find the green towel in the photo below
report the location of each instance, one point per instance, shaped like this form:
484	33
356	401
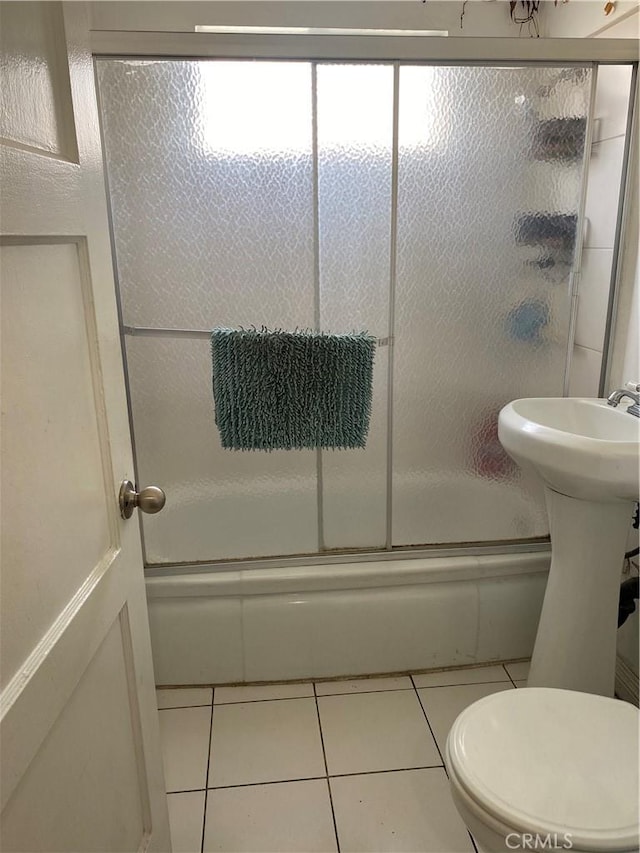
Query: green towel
291	390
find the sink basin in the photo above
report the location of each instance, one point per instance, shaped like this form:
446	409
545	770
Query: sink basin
586	453
582	448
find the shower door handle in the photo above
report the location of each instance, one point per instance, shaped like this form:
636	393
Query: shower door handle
150	500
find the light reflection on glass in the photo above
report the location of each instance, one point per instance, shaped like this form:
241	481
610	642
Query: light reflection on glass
250	107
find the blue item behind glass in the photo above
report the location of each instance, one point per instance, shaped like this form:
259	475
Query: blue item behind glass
527	320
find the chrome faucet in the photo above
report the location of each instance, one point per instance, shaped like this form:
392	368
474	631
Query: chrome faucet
614	400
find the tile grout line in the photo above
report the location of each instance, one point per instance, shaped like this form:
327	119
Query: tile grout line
310	696
444	767
344	693
267	782
457	684
206	778
509	677
364	692
347	693
326	770
591	349
608	138
319	778
186	791
424	714
258	701
390	770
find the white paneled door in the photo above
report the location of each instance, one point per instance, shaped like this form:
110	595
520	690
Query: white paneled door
81	764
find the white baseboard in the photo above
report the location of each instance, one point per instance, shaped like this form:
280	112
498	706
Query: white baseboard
341	620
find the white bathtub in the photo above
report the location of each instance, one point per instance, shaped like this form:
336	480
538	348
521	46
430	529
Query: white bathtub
272	624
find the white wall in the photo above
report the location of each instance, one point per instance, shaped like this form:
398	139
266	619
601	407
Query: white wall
631	316
575	19
586	18
481	18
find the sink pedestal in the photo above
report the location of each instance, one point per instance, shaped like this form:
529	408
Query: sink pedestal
576	642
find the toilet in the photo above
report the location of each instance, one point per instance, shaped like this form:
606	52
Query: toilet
547	769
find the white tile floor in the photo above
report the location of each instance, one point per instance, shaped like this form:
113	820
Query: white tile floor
334	766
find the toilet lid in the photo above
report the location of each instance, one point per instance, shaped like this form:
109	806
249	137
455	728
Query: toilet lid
546	760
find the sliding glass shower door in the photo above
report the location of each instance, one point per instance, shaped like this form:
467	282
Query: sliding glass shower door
487	225
436	207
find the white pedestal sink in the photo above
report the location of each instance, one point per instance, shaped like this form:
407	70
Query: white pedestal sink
586	452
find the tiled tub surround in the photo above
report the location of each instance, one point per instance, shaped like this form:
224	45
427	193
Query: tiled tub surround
349	619
352	765
601	210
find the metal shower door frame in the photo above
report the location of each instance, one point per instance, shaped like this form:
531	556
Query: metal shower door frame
395	50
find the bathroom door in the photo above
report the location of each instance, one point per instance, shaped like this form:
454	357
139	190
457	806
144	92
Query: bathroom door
81	763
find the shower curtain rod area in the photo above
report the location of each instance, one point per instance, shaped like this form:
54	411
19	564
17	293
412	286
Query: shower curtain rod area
148	331
450	50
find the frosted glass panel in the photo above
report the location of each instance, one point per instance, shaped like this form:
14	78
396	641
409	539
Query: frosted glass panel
227	211
220	504
490	164
355	134
211	182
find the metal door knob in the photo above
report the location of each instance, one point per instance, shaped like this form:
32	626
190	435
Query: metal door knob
150	500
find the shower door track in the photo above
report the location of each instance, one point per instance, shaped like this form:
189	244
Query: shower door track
333	557
361	48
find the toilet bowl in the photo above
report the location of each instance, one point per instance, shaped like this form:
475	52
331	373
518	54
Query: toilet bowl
546	769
